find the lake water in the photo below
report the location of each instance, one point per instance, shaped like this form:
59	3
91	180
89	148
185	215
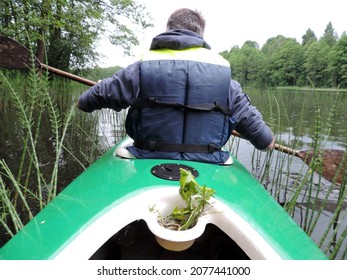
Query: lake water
291	114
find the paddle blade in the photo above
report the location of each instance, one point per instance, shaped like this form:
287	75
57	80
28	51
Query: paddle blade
333	162
14	55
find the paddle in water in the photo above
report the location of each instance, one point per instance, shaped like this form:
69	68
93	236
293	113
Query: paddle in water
333	161
14	55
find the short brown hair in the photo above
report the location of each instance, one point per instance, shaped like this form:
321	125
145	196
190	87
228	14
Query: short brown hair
187	19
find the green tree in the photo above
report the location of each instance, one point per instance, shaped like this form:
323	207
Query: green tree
245	63
286	64
316	62
248	63
66	31
273	44
329	37
338	63
308	37
232	57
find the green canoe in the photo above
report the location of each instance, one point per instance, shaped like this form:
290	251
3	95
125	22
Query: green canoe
104	214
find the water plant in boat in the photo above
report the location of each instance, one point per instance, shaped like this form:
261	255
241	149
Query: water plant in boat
196	202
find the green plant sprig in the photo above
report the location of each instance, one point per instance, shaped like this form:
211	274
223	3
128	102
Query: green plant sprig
196	198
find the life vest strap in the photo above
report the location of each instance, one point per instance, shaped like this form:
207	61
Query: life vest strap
153	102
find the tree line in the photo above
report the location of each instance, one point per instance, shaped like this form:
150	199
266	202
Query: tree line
285	62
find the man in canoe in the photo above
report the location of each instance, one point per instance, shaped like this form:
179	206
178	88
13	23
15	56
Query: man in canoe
183	102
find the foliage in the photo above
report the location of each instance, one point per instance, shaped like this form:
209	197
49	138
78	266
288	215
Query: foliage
65	31
339	61
316	63
246	63
308	37
30	111
329	36
285	62
30	183
196	199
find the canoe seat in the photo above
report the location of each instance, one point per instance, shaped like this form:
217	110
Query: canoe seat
229	161
123	152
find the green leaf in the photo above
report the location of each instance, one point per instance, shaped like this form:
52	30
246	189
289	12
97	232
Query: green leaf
196	198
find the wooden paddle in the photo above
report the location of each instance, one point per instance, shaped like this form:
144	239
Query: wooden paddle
331	159
14	55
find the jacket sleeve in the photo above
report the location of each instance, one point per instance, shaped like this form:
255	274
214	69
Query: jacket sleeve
248	120
117	92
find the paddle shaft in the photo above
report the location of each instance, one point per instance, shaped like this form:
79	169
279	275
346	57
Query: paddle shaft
332	160
67	75
277	147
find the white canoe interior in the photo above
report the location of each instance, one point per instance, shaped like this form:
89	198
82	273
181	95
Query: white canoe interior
137	206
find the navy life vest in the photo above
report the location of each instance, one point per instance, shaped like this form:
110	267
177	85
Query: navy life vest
182	111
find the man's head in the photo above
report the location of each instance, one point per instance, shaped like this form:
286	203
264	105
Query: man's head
186	19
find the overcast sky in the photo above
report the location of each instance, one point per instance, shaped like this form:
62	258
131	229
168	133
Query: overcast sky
231	22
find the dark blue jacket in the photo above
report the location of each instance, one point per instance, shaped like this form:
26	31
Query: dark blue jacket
183	102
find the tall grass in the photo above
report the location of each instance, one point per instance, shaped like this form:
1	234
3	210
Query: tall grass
30	108
308	189
27	188
30	183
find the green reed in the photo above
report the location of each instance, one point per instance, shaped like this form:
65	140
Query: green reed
307	188
322	132
31	188
46	108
